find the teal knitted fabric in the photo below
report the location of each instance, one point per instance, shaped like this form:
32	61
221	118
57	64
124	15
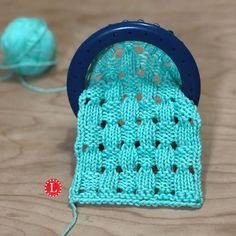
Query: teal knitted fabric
138	139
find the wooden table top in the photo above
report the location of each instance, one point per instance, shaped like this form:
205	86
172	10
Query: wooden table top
37	131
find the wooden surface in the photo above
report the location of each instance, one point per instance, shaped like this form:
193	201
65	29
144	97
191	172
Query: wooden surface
37	131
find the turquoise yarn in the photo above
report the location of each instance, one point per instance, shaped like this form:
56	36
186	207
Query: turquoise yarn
28	46
138	140
29	49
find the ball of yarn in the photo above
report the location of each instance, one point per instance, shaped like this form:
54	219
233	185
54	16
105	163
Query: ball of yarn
28	46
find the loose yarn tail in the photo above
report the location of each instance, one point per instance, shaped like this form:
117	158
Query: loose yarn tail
3	66
29	86
6	77
73	222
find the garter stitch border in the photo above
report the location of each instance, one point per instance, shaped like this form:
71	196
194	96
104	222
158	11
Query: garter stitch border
138	140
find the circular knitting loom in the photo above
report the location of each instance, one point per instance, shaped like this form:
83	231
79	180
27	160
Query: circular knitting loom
134	88
130	31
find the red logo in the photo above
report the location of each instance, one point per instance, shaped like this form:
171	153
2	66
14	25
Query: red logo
53	187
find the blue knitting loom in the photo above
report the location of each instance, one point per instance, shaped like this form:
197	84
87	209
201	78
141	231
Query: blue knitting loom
138	31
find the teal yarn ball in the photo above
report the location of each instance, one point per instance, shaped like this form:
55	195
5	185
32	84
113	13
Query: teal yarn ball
28	46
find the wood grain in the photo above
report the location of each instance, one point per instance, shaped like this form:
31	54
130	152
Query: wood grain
37	131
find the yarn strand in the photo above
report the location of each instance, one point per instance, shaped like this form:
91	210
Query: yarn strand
29	86
6	77
73	222
14	66
24	82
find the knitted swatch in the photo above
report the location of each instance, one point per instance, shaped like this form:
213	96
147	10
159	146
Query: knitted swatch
138	139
